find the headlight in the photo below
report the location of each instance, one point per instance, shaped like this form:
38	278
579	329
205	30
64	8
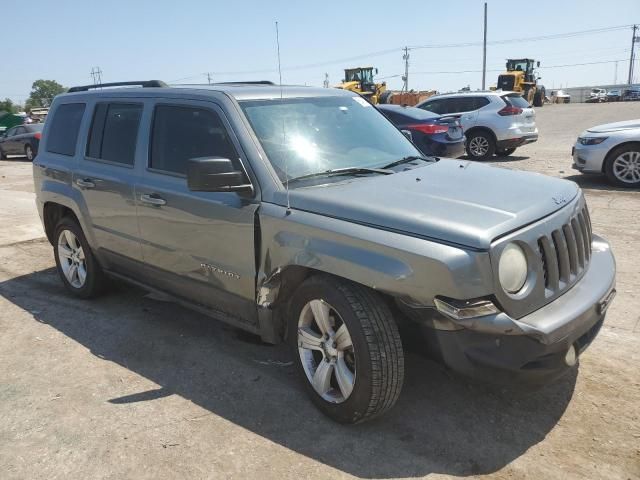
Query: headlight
591	140
512	268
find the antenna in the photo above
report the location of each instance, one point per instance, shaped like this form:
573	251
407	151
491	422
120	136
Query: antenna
286	158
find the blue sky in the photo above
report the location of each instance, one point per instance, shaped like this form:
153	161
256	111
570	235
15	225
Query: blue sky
175	40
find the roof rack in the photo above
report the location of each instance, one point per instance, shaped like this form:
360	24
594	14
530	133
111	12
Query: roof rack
144	84
248	82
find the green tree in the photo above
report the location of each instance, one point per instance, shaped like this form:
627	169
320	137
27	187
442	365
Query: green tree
42	93
8	106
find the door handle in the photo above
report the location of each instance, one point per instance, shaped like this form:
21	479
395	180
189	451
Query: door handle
85	183
153	199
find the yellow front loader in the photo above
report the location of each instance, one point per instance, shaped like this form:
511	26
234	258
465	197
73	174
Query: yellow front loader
360	80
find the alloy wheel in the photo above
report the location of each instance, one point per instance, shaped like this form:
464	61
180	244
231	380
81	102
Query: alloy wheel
326	351
626	167
29	153
479	146
72	259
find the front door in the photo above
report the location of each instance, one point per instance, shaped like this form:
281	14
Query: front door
197	245
105	176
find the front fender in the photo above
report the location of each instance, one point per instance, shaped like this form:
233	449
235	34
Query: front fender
413	269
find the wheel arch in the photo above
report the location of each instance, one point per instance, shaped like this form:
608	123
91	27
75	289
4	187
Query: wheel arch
52	213
481	129
609	154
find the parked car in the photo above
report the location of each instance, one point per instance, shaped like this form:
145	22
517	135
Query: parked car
614	95
560	96
612	149
493	122
431	133
303	215
597	95
21	140
631	94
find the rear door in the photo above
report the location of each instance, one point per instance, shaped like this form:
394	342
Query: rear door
196	245
8	142
105	176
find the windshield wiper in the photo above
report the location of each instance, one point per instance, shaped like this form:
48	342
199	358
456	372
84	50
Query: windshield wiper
342	171
408	159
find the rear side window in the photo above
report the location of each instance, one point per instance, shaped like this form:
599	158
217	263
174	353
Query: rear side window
114	132
516	101
436	106
182	133
63	132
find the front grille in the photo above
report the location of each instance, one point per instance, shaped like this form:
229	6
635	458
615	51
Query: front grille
565	253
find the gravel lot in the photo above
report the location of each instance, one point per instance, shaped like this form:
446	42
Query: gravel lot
130	387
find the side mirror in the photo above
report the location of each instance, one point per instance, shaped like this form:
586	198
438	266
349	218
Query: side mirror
376	71
215	174
538	63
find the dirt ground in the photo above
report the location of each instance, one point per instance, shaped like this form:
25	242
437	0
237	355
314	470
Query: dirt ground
130	387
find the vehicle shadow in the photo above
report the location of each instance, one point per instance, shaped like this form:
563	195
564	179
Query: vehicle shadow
596	182
441	423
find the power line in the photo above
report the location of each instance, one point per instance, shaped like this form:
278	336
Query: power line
500	69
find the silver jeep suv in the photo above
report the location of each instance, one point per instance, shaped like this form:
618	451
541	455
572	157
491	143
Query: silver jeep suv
494	122
303	215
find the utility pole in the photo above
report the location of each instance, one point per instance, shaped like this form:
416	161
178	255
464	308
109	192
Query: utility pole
325	84
405	78
96	74
615	74
484	49
634	39
209	78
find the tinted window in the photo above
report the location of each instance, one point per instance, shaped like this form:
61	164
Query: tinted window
407	114
436	106
63	132
11	132
114	131
181	133
20	131
468	104
34	127
516	101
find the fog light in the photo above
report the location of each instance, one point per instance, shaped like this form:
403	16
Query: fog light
571	357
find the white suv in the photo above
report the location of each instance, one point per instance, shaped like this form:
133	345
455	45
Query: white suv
493	122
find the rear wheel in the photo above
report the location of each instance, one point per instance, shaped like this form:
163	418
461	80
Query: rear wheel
347	348
77	267
385	97
622	166
505	152
480	145
3	156
538	98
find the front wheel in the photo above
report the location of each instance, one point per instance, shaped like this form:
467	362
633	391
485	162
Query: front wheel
347	348
3	156
480	146
622	166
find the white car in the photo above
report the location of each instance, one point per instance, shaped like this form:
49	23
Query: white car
597	95
493	121
612	149
560	96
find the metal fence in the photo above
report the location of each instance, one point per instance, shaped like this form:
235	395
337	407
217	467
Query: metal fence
581	94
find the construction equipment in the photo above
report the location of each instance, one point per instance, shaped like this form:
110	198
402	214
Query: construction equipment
522	77
360	80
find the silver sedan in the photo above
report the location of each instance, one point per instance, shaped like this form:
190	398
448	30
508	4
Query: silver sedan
612	149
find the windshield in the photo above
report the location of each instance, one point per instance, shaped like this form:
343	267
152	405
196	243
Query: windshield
302	136
521	65
360	75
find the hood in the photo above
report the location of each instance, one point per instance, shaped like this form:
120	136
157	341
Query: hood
454	201
615	127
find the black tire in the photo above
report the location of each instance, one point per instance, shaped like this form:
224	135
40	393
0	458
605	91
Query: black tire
538	98
377	348
483	138
505	153
609	165
29	152
3	156
96	280
385	97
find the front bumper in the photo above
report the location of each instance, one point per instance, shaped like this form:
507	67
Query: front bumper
590	158
531	349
